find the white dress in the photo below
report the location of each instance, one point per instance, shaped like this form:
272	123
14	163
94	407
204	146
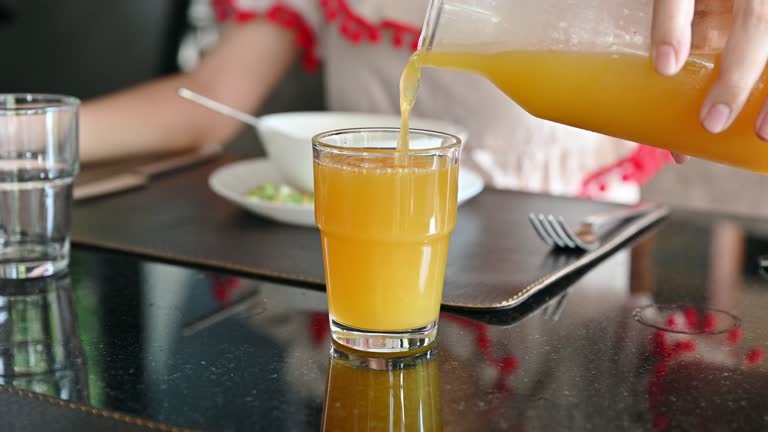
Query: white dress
363	46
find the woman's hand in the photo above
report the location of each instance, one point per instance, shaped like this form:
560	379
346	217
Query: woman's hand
743	58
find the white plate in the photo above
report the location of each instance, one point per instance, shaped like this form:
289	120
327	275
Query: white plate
232	181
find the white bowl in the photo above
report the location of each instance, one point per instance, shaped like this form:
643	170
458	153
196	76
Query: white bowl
287	137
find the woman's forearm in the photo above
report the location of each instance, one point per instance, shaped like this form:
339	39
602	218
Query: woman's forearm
150	118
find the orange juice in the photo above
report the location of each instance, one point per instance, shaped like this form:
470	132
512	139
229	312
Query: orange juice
398	399
409	87
620	95
385	231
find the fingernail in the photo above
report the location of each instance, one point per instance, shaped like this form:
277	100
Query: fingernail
716	119
665	60
762	126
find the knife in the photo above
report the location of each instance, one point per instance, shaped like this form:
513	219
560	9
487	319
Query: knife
141	175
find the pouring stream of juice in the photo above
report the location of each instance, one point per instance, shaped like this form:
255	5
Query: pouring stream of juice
616	94
409	87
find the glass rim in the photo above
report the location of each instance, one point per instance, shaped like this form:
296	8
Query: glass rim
317	141
49	102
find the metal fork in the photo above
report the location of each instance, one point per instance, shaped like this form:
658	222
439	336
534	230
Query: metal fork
586	236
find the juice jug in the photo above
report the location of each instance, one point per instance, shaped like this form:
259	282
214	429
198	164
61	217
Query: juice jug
588	64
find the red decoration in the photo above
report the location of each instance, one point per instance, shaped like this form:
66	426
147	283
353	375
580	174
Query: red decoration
735	336
755	356
506	365
222	288
638	168
691	317
672	322
281	14
709	324
319	327
684	346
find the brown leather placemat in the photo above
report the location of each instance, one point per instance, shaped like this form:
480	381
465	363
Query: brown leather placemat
500	262
496	260
22	410
178	218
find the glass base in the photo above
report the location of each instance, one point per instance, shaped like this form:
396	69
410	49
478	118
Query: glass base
33	260
384	342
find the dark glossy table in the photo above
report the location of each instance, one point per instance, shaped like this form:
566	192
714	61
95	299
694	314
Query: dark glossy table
198	349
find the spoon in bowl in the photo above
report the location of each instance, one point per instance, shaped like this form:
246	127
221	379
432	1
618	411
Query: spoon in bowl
219	107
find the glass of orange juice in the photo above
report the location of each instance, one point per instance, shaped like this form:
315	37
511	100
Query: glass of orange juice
382	394
385	217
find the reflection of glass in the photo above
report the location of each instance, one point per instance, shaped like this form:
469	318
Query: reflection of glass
382	394
39	346
385	217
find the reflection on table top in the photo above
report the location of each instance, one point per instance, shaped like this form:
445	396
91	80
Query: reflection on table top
216	352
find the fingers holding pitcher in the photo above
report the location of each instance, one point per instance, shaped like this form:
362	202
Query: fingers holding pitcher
741	65
671	34
738	30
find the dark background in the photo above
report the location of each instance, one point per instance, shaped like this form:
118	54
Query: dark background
87	47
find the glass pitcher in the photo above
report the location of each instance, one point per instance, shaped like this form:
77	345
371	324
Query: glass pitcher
587	63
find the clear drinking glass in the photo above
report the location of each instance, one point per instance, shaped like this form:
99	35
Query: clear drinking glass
38	162
385	219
